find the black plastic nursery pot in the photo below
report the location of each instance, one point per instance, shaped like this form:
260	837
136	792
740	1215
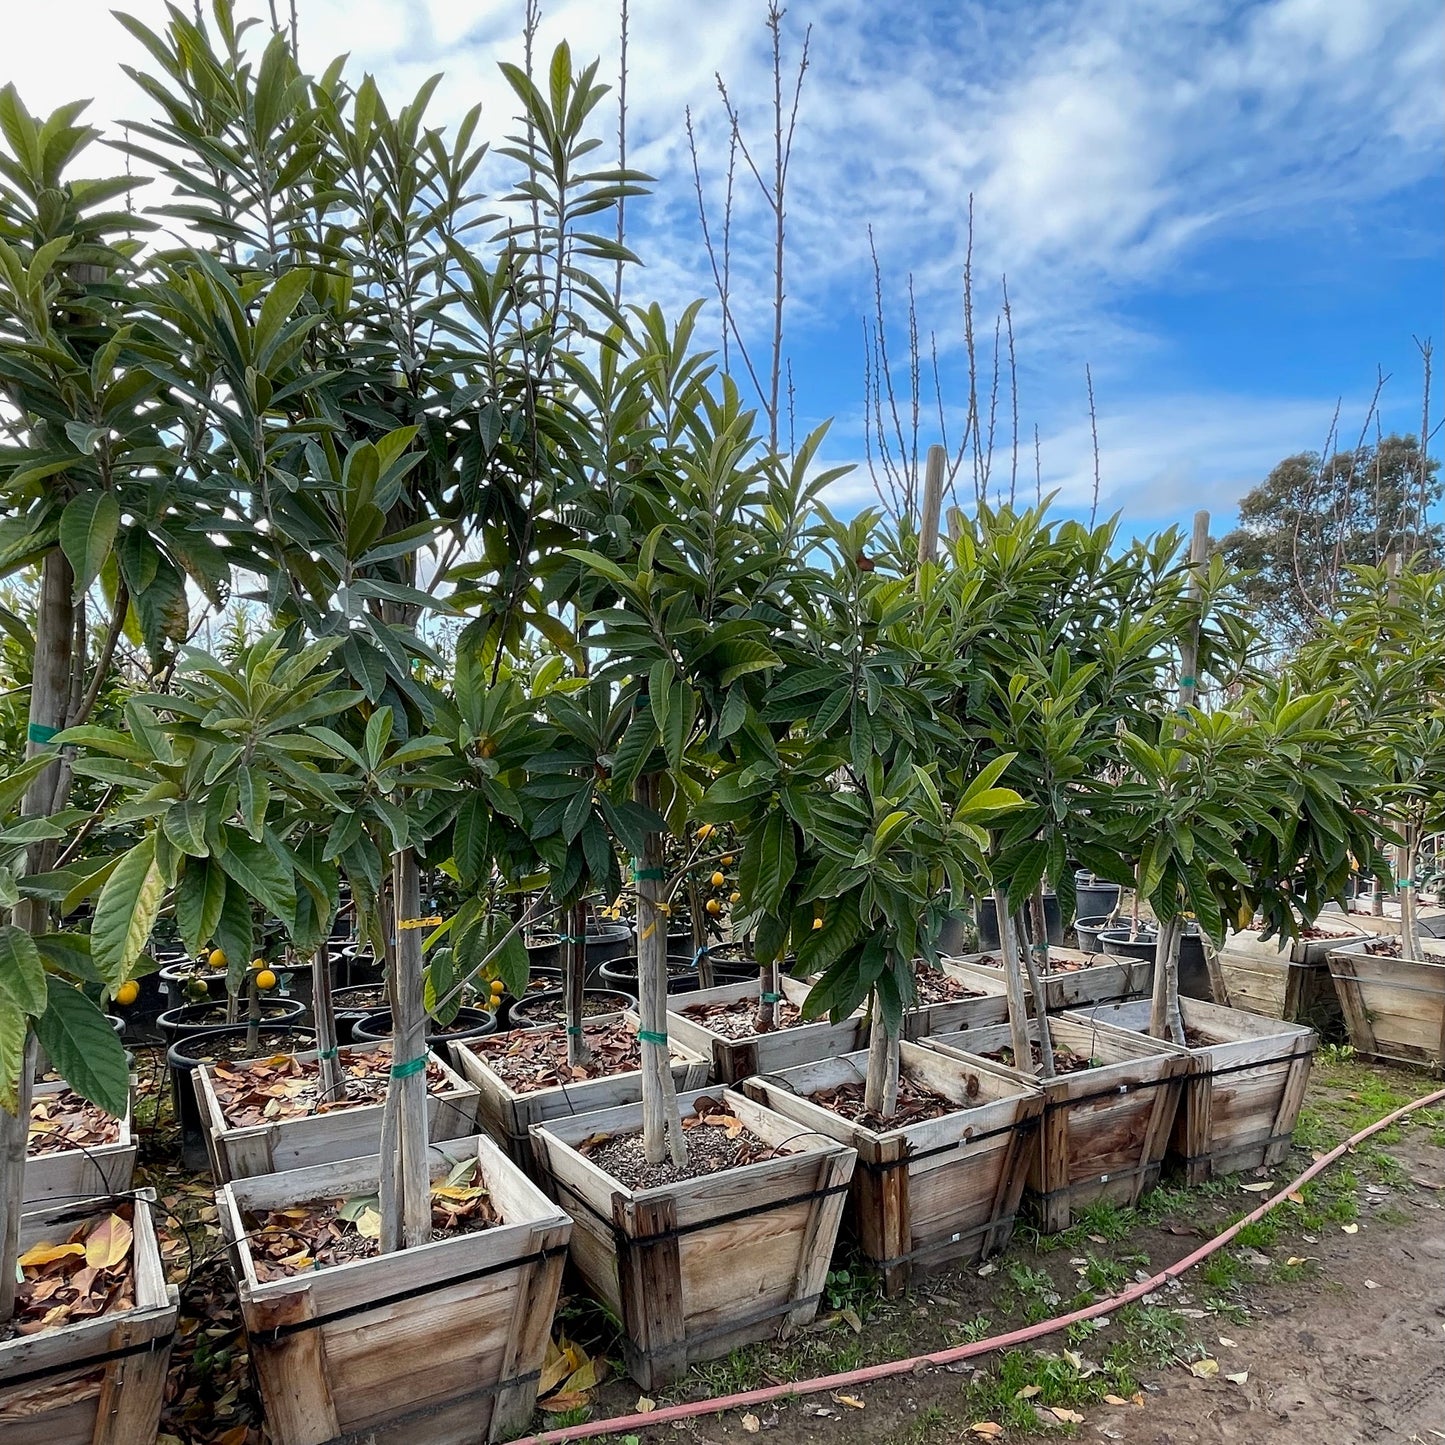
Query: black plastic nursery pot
469	1023
175	976
355	1002
621	973
988	923
1095	897
186	1055
1087	931
206	1017
359	965
544	950
606	941
1193	969
539	1010
543	978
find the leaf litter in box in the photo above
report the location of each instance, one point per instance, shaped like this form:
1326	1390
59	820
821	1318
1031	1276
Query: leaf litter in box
87	1275
287	1087
63	1120
715	1140
530	1059
288	1242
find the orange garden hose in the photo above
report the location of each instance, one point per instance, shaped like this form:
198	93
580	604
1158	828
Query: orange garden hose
716	1404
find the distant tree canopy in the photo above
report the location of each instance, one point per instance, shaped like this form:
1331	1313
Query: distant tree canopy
1312	518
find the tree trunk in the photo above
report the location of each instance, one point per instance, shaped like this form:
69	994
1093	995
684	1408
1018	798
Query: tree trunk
880	1093
701	955
1018	1018
325	1017
574	980
50	691
405	1180
660	1121
768	996
1409	887
1036	960
253	1016
1164	1019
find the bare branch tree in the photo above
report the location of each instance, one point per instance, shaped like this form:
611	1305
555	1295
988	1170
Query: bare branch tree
1422	519
1038	469
1013	386
621	149
1094	430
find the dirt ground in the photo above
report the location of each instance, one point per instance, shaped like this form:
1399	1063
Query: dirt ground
1323	1323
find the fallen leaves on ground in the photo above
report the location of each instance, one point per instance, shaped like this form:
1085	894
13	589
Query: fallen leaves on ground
63	1120
530	1059
1205	1369
568	1375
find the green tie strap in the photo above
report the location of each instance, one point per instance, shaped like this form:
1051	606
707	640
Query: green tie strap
649	1037
406	1070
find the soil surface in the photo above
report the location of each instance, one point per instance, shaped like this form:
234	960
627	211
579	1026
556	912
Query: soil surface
715	1140
1066	1061
915	1104
550	1006
936	987
233	1048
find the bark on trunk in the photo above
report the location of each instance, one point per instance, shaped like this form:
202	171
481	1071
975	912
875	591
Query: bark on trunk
880	1093
1164	1018
574	978
325	1017
1009	946
1036	959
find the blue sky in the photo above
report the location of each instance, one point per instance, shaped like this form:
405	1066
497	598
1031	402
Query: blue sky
1231	212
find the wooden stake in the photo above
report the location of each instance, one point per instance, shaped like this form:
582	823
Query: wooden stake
574	963
932	503
767	992
660	1121
14	1140
325	1018
1189	644
406	1181
1018	1019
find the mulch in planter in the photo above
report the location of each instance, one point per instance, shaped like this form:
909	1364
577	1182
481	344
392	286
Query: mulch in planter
1385	948
916	1103
1066	1061
286	1087
716	1140
530	1059
64	1121
739	1019
233	1048
556	1011
934	987
1311	934
1196	1038
83	1275
306	1237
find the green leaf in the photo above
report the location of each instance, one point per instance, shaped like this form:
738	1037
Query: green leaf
84	1048
22	975
126	911
14	1026
88	528
770	857
185	825
262	872
199	900
471	839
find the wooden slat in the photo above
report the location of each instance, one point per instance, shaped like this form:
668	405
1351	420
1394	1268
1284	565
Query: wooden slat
293	1372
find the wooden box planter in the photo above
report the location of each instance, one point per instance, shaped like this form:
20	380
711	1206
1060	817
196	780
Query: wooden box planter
72	1174
1393	1009
442	1343
1105	1130
101	1381
696	1269
932	1192
246	1151
1074	979
988	1003
508	1116
1288	981
1242	1095
735	1059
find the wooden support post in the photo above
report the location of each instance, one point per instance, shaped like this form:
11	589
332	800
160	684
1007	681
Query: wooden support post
932	503
767	994
405	1178
574	978
324	1012
1031	956
660	1121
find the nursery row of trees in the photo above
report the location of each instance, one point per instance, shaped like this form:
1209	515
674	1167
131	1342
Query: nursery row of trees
327	373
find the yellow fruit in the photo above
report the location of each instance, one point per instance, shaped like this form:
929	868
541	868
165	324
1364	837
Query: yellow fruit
718	880
727	860
265	979
705	832
258	963
713	906
217	958
817	923
498	987
735	897
196	989
127	993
